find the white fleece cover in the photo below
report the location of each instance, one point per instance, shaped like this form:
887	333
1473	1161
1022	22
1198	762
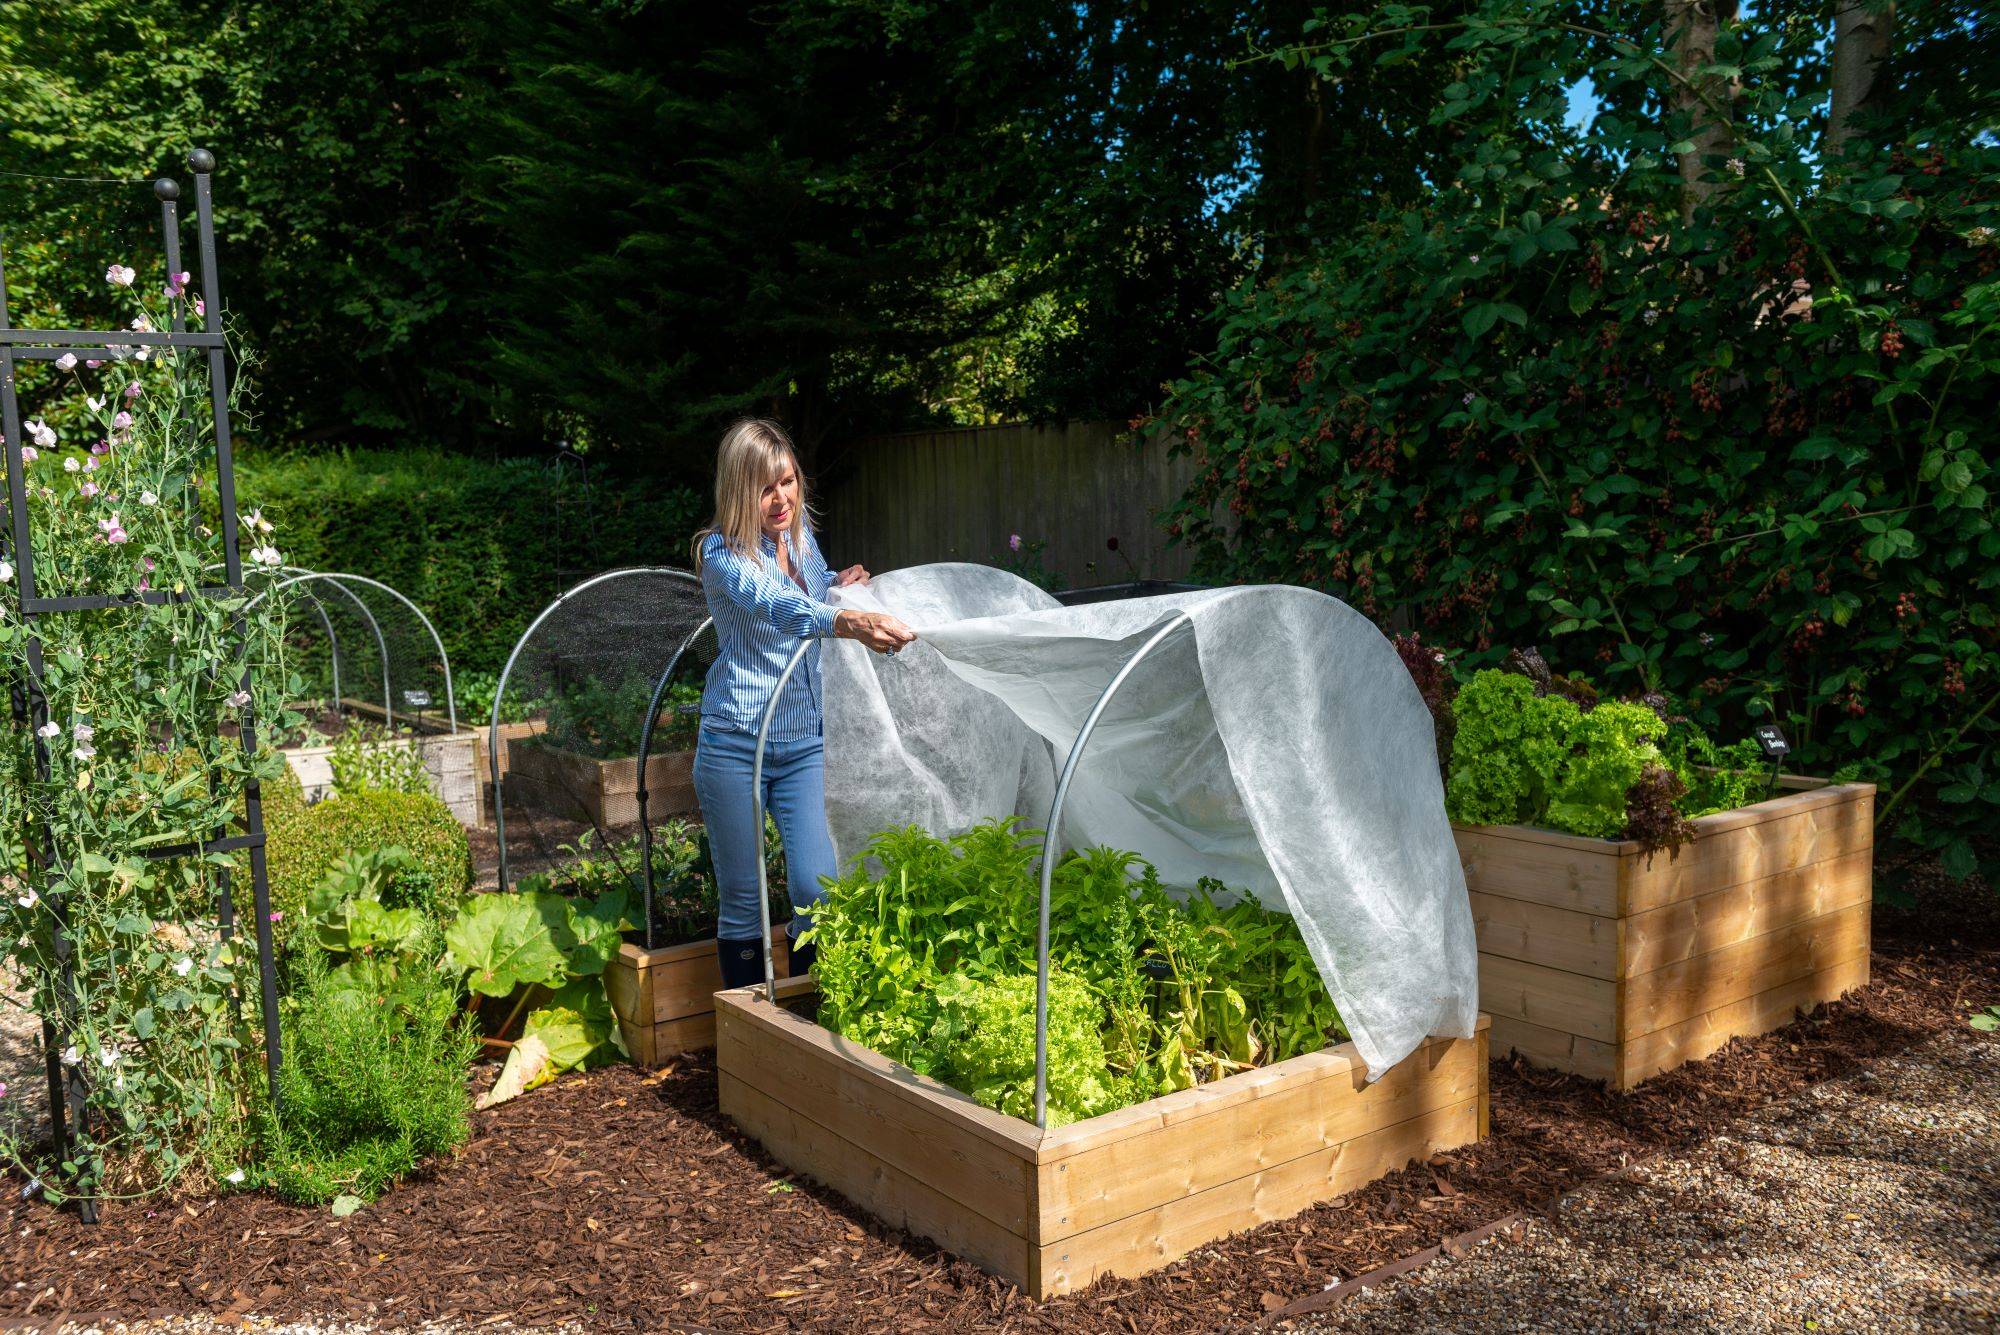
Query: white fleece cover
1276	744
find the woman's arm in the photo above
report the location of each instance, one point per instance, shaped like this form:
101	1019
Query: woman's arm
748	584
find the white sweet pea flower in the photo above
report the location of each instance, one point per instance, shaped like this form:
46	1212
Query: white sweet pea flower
120	275
148	498
266	556
84	751
70	1055
66	362
238	699
83	732
27	899
49	731
107	1059
6	572
141	354
255	521
142	325
70	465
96	404
234	1177
183	967
40	432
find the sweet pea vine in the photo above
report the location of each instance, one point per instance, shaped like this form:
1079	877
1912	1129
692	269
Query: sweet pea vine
125	955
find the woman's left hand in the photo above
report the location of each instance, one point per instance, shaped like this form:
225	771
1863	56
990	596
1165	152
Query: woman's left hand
851	575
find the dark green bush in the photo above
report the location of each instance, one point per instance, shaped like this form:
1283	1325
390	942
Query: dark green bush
478	544
305	842
370	1088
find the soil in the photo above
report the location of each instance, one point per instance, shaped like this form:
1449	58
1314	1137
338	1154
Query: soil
622	1200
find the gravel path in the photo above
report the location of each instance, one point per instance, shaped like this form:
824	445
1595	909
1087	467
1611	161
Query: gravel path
24	1112
1864	1204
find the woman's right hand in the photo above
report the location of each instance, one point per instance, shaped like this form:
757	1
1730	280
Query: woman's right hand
877	630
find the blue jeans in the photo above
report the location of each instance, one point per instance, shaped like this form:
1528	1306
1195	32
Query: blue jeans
794	793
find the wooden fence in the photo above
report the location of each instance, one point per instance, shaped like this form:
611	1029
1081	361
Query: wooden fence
957	495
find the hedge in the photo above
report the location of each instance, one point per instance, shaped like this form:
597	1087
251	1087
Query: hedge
480	545
305	841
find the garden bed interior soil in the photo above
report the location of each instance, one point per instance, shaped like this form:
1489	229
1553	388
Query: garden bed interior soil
622	1200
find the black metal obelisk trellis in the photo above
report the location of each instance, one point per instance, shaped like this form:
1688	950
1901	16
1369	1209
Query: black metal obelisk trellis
68	1092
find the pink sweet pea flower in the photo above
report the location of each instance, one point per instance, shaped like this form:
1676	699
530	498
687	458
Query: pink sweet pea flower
66	362
120	275
133	390
1014	542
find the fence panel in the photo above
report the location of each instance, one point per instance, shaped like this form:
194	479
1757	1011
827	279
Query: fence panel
957	495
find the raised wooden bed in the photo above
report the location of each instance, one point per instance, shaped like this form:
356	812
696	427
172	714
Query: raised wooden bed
606	792
1120	1194
665	998
1596	959
449	763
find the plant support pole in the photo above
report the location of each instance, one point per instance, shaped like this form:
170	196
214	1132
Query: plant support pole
1052	843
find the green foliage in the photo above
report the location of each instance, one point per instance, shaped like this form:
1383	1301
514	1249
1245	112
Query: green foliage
1614	744
1508	752
480	544
503	943
1986	1021
931	963
603	719
1734	454
366	759
475	690
685	902
372	1085
307	842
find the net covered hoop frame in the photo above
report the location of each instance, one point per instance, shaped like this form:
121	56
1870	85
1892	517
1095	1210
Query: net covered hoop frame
500	697
297	575
645	755
1051	839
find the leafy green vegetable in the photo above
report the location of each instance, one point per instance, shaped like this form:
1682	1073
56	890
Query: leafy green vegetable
503	942
1612	746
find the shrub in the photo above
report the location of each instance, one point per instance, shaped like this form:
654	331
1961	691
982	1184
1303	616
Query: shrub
1734	454
371	1087
306	841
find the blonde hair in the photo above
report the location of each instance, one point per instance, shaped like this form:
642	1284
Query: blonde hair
755	452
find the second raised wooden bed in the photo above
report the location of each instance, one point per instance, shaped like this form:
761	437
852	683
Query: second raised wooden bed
605	792
665	999
1597	959
1120	1194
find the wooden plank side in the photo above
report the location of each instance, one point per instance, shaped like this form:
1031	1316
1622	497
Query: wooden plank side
1560	938
1649	1054
1152	1238
1707	983
1552	998
1691	927
687	986
1579	875
1753	852
914	1204
1587	1057
1163	1163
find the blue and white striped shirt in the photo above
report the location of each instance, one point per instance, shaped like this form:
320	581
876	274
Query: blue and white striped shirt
760	617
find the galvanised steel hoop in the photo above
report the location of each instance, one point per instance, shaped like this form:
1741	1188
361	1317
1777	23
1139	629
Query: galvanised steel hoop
381	644
339	578
646	754
500	696
757	796
1052	846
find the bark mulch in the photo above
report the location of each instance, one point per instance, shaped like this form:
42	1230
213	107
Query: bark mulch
622	1200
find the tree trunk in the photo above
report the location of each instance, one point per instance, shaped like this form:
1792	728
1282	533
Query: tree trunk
1861	37
1692	27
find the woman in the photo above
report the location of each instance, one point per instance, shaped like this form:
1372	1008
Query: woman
766	584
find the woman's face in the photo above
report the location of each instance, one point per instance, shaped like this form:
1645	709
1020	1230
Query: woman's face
780	502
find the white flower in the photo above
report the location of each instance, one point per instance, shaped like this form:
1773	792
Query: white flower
1736	166
85	751
148	498
238	699
27	899
107	1059
183	966
255	521
70	1056
70	465
266	556
120	275
6	572
142	354
96	404
66	362
234	1176
1650	315
40	432
142	325
29	454
49	730
83	732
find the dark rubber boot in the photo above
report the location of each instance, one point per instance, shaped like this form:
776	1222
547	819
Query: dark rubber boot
742	961
802	959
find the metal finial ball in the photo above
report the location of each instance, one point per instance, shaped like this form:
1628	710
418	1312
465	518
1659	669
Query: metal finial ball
167	188
201	160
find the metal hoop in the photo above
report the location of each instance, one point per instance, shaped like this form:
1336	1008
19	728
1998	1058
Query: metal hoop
1052	844
757	797
645	754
